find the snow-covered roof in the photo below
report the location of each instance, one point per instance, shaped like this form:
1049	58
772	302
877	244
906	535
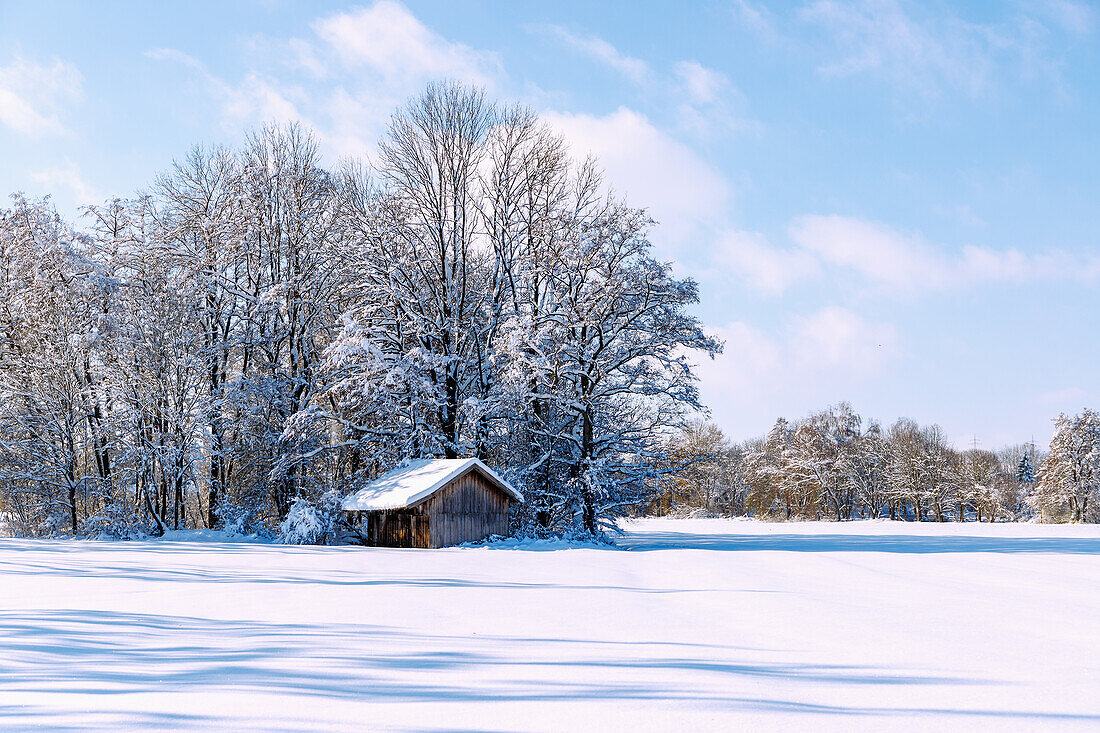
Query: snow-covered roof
415	481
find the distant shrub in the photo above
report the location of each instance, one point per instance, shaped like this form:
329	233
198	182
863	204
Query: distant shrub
118	520
240	518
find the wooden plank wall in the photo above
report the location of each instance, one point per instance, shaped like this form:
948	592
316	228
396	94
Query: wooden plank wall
470	508
395	528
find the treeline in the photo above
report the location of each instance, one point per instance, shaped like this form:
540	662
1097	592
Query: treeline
835	465
257	330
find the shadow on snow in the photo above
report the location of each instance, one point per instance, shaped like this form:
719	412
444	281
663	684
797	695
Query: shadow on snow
101	653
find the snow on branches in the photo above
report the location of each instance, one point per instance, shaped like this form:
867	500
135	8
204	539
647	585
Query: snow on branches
257	330
1069	479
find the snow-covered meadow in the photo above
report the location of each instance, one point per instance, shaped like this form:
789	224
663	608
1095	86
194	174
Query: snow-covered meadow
692	625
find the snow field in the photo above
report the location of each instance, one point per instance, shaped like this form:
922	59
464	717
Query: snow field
695	625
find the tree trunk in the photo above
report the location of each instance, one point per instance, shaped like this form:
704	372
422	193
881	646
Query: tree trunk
178	499
589	514
449	418
159	530
212	507
72	504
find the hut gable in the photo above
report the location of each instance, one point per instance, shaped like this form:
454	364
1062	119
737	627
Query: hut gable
432	503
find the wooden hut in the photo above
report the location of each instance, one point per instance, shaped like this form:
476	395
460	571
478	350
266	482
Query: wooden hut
431	503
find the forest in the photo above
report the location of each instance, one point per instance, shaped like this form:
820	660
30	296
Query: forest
835	465
256	335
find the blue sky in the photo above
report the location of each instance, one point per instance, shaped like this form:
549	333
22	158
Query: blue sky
887	202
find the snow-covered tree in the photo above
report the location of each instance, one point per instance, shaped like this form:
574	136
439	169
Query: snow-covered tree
770	490
504	308
55	445
980	482
1025	472
865	467
704	472
1069	479
196	208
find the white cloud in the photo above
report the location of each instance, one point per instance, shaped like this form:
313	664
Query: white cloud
835	337
920	51
764	268
828	341
171	54
884	259
33	97
600	50
652	169
352	126
703	85
68	176
362	64
756	18
304	56
813	360
748	357
710	105
357	68
874	250
389	40
1073	17
255	99
705	101
879	36
906	263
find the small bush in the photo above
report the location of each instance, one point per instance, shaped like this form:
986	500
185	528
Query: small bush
311	524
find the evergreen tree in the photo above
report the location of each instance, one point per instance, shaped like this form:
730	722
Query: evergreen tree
1025	472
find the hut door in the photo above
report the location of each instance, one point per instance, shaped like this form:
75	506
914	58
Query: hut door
421	532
